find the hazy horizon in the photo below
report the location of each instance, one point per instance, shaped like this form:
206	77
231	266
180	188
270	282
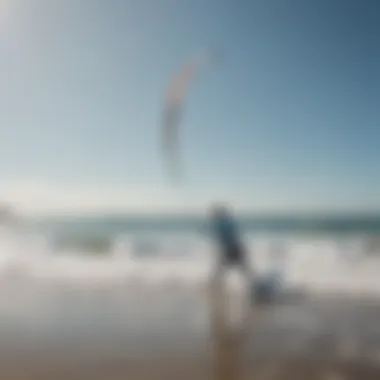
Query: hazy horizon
63	201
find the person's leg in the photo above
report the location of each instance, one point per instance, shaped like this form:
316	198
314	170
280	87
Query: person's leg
216	294
217	274
249	277
246	266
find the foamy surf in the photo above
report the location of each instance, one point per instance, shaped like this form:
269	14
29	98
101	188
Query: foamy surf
322	264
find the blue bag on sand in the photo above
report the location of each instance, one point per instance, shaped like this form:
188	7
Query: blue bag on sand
266	288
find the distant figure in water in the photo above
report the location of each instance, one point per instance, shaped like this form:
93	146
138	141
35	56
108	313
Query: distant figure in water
230	247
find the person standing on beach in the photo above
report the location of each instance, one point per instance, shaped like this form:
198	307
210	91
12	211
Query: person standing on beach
231	250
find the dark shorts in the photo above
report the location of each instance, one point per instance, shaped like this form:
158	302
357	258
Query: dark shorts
233	255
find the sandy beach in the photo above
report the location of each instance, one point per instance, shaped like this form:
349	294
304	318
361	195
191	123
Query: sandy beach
56	332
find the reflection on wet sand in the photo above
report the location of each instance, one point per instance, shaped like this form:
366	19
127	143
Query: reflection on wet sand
113	334
316	339
228	339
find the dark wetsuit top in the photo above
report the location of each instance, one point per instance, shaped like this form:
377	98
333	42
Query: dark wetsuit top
227	235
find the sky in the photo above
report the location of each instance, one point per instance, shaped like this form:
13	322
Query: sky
286	121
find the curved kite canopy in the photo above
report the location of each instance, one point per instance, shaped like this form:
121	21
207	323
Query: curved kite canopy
175	99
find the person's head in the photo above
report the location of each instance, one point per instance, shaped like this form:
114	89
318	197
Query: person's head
220	211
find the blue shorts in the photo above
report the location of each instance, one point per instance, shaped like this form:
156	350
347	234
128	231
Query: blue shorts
233	254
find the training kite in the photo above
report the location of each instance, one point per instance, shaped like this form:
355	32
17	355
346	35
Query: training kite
174	104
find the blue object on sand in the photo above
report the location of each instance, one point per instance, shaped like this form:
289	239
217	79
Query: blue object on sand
266	288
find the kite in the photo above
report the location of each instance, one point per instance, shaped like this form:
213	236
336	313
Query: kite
174	104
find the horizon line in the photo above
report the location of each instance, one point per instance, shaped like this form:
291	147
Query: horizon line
262	215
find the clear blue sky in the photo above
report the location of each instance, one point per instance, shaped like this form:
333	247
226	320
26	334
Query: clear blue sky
288	120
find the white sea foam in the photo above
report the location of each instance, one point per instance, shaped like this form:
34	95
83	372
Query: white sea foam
317	264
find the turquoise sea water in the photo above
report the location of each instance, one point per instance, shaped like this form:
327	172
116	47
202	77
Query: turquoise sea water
113	225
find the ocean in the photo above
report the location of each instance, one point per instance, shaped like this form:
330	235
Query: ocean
317	254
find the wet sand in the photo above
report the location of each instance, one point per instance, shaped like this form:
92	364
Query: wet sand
51	332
